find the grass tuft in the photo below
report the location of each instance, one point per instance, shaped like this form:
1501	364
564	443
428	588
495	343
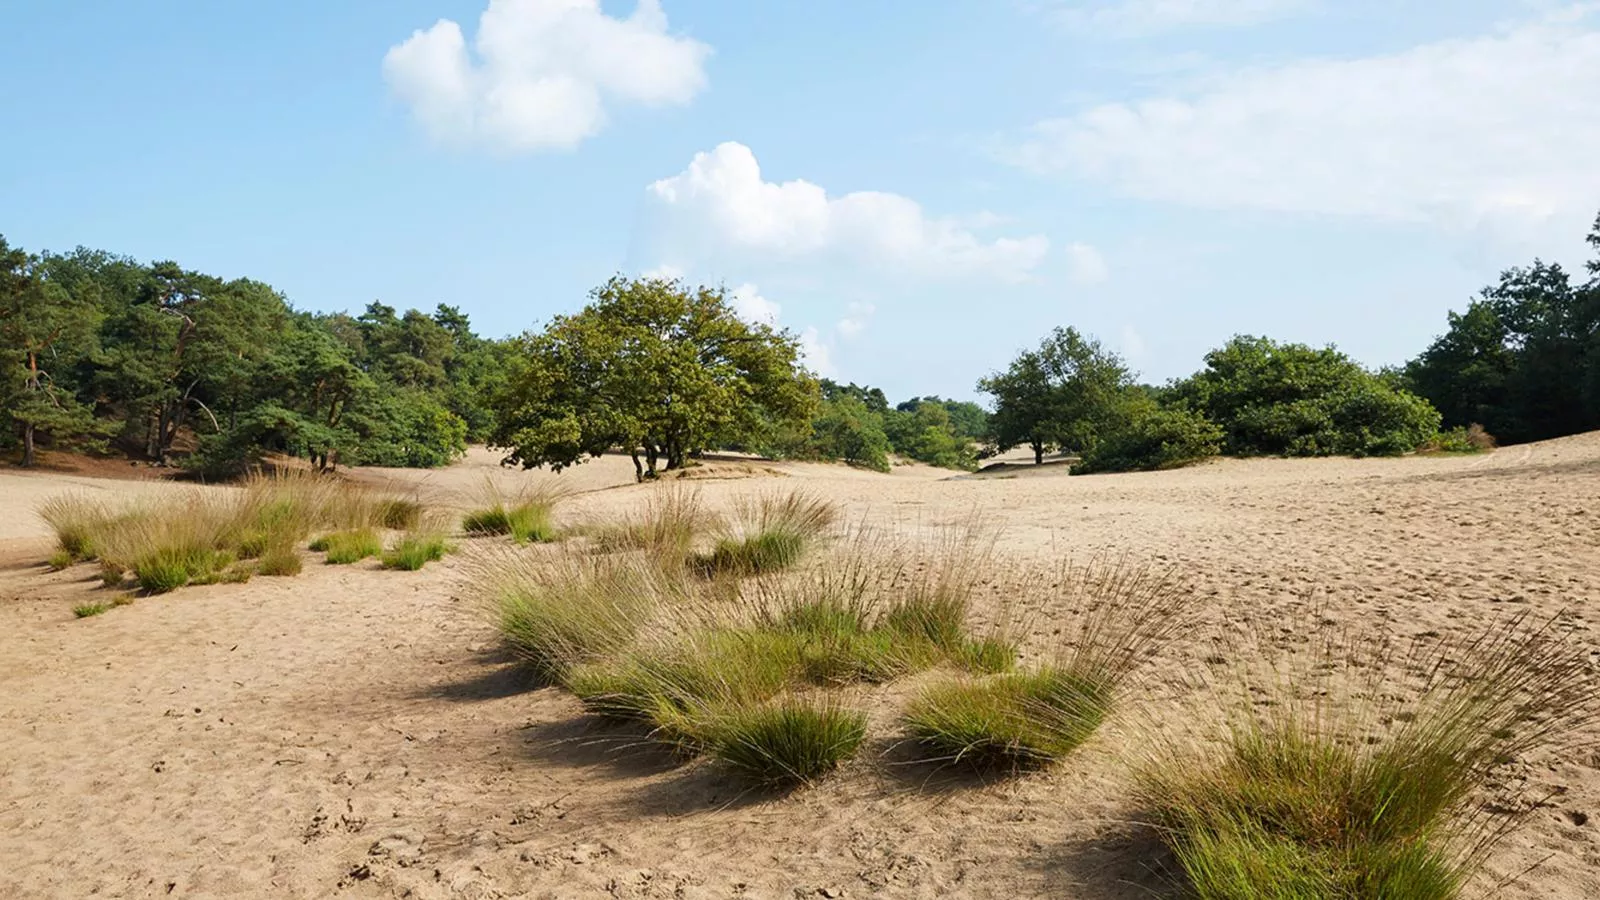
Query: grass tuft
90	609
775	532
61	559
528	517
346	547
1010	722
1323	790
667	530
279	562
416	549
786	742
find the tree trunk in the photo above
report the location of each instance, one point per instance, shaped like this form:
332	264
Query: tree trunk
1038	453
27	445
638	467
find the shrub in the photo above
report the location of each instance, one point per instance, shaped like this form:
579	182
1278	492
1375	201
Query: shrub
279	562
1153	438
1010	721
86	610
415	550
1471	439
345	547
1369	791
787	742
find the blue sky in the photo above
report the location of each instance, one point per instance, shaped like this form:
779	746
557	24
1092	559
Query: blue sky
918	188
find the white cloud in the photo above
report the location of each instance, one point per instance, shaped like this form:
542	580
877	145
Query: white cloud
749	305
1133	345
855	320
663	272
544	73
1140	17
720	206
1463	132
1086	265
819	356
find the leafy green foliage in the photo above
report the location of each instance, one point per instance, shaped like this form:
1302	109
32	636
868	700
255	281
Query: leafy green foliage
1523	360
1294	400
655	368
1153	437
1066	394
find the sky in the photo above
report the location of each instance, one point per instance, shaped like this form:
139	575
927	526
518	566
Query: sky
917	189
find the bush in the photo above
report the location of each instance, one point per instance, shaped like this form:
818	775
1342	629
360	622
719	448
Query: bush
1370	791
1153	438
415	550
1293	400
786	742
345	547
1471	439
846	430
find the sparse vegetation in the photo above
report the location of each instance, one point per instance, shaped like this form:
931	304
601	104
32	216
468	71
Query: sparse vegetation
84	611
1461	440
192	536
1369	791
672	522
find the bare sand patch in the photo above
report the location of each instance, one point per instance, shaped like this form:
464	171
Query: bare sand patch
357	732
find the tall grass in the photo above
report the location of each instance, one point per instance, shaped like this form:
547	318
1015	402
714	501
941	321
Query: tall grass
773	532
416	548
668	529
1030	719
527	517
191	535
1363	774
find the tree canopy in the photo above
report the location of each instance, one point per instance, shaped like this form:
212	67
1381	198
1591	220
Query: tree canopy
1063	395
654	367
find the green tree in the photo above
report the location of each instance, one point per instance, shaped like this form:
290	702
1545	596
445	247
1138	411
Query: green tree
653	367
1064	394
42	324
1295	400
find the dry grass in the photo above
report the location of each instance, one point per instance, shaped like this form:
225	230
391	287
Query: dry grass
1363	772
668	529
772	533
194	536
527	517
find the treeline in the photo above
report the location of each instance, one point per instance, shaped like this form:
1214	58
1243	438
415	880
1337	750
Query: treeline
102	352
159	362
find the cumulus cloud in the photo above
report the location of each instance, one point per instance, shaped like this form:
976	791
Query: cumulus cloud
818	354
1085	265
748	304
544	72
721	207
1141	17
1461	132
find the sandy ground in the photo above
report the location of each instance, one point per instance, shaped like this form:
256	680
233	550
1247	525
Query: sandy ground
355	732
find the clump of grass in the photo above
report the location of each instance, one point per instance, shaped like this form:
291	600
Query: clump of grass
398	513
86	610
1013	721
528	517
557	614
671	524
775	531
346	547
416	549
785	742
1371	791
74	519
61	559
1027	720
279	562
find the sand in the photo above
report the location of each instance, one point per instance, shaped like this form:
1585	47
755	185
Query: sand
355	732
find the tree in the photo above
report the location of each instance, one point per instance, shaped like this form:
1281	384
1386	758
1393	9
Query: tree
42	323
653	367
1064	394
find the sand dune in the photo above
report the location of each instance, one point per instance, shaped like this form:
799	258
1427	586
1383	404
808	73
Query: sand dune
354	732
